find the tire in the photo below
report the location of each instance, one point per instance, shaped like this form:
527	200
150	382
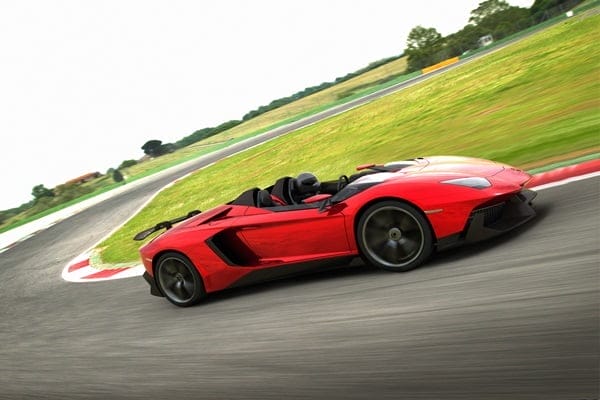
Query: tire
178	280
394	236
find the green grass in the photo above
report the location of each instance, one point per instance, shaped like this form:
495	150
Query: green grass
535	100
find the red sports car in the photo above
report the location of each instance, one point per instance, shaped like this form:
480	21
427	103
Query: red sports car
392	215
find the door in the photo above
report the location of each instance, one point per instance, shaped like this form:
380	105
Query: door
296	235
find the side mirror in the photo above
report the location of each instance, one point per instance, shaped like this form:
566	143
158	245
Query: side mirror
326	204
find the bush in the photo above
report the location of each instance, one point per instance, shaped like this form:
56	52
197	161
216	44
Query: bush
117	176
127	164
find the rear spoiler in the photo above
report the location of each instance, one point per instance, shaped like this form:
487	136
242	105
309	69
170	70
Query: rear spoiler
164	225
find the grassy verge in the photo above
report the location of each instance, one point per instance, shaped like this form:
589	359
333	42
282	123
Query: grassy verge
532	101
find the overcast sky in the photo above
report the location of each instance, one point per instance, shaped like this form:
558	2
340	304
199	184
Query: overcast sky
84	84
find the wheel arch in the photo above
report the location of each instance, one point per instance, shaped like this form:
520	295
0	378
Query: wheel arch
161	253
365	206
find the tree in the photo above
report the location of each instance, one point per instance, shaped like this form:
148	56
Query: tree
487	8
127	164
153	148
40	191
167	148
463	40
505	22
544	9
421	38
117	176
423	47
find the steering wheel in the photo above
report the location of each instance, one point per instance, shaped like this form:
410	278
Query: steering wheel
342	182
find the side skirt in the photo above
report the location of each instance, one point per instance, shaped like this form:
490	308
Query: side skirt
290	270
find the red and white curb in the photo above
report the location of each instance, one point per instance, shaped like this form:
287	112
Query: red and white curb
80	270
564	175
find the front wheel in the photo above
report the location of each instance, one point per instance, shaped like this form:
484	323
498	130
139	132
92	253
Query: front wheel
394	236
178	280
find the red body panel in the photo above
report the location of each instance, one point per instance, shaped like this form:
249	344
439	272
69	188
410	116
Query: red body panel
286	237
229	242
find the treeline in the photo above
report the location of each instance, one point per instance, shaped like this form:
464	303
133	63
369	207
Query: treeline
495	18
44	199
314	89
204	133
7	214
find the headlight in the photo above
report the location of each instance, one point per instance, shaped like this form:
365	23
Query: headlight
472	182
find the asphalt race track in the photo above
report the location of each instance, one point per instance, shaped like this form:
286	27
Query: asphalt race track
517	318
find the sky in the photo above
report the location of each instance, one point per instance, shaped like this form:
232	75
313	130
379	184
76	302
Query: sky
84	84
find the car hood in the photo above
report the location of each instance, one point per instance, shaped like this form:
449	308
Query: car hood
454	164
434	169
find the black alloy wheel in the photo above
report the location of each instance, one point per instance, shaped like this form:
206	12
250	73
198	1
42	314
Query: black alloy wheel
179	280
394	236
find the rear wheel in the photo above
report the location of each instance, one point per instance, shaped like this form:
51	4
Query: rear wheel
394	236
178	280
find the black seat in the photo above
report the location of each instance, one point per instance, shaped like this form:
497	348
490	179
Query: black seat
248	198
304	186
282	189
264	199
